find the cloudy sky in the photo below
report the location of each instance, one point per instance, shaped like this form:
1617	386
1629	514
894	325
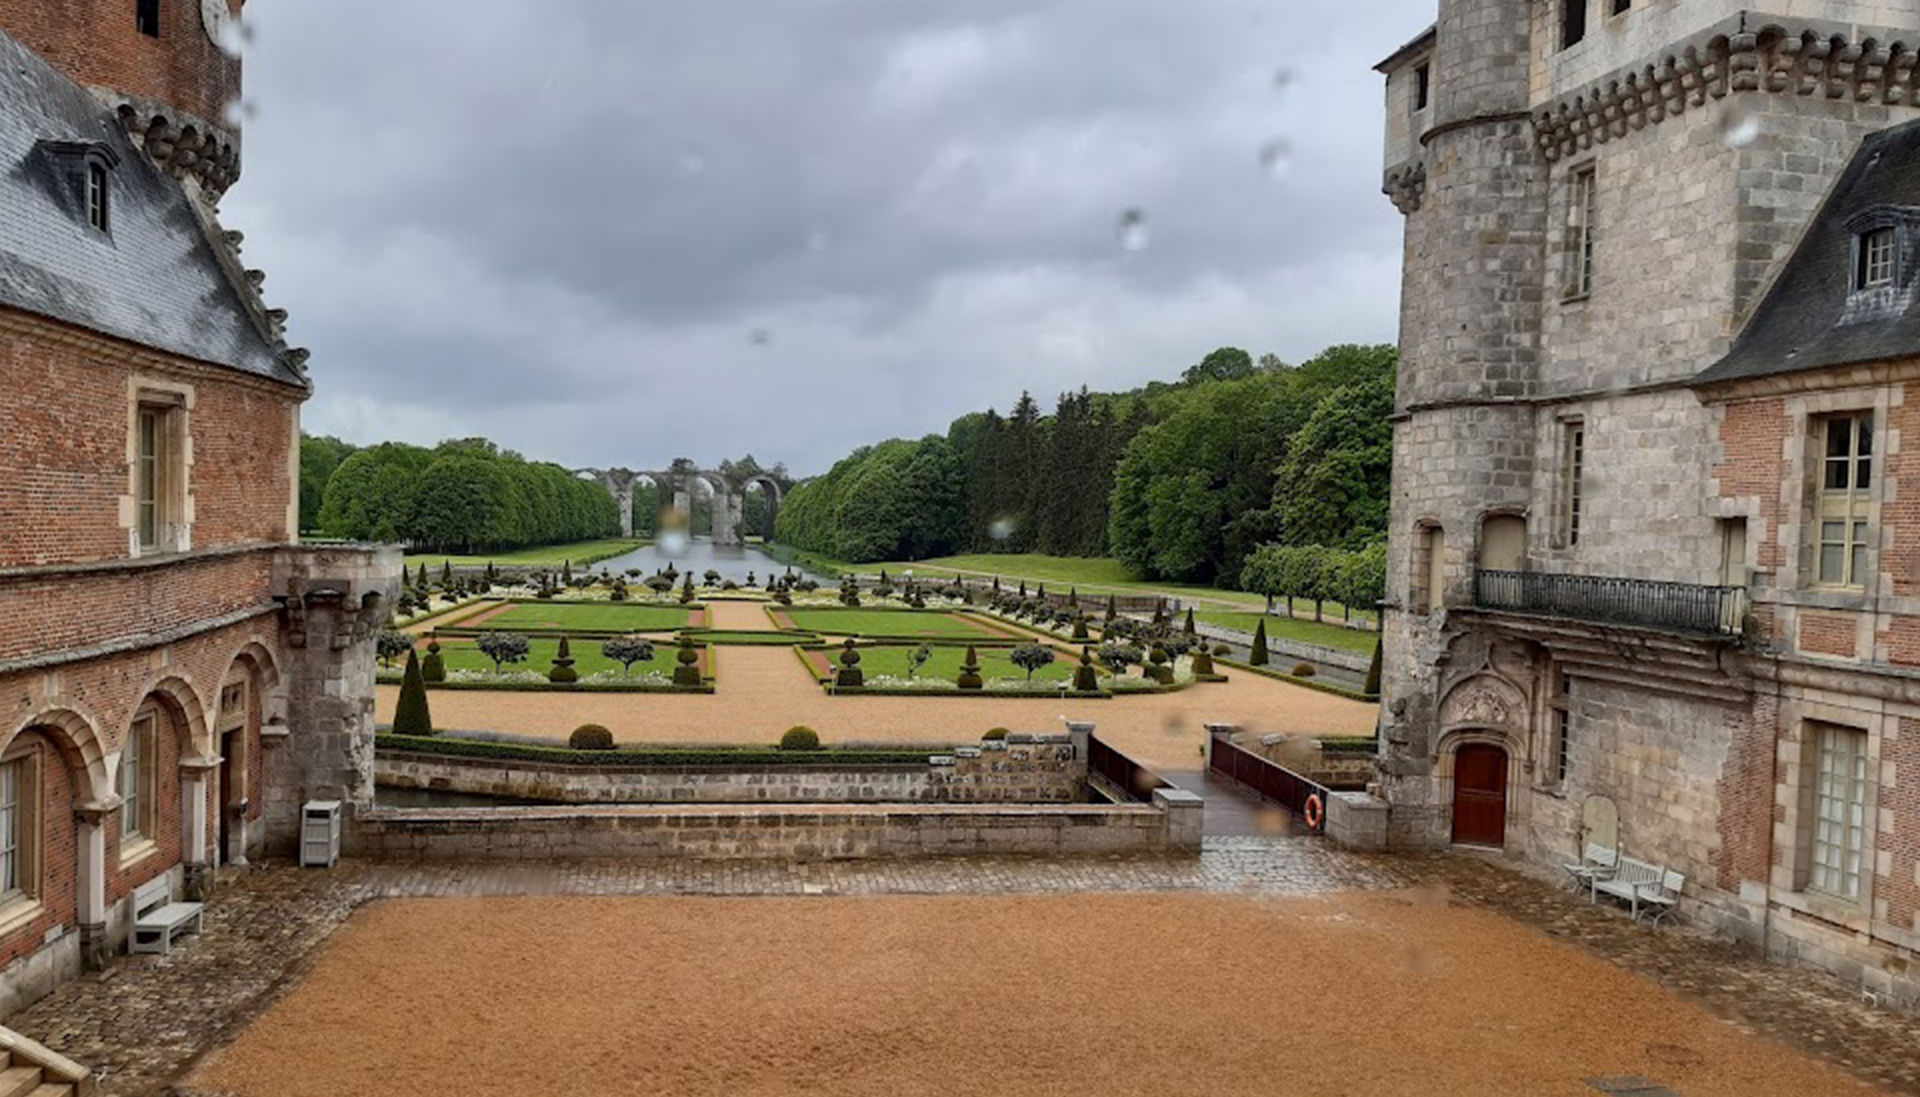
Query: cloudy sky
615	233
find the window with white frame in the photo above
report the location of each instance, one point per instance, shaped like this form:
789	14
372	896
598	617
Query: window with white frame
1573	462
138	770
1583	202
14	825
1842	499
1562	705
1839	810
159	472
1875	259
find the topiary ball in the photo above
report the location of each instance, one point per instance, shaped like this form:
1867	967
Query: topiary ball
995	733
800	737
590	737
1304	670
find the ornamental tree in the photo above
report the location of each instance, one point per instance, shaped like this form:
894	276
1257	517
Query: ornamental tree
410	715
503	648
1031	657
628	650
391	644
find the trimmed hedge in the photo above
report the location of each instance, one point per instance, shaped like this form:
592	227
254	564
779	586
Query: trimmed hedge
644	756
1309	683
571	687
1349	744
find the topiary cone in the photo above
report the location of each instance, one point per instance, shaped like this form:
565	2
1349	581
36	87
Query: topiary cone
970	672
410	715
687	673
1259	656
563	671
1085	679
850	672
433	668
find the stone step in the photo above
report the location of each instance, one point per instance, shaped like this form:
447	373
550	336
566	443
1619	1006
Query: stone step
20	1081
53	1089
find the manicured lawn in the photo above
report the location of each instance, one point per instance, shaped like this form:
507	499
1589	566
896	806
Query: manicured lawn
580	552
595	616
1091	575
465	655
1305	630
945	664
885	622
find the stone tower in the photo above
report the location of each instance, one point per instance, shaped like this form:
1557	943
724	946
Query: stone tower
1596	194
170	69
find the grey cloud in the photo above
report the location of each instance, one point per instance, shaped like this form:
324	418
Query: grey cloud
559	223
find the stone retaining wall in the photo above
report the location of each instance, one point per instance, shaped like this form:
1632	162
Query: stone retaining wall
1171	824
1032	769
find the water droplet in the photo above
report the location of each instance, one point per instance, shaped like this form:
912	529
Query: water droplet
1276	156
1738	127
233	35
818	241
241	111
1131	229
672	542
692	163
759	337
1282	78
1000	529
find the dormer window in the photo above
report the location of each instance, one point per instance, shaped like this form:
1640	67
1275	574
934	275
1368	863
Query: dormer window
1875	259
97	195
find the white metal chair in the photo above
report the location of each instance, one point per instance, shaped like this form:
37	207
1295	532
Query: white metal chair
1597	863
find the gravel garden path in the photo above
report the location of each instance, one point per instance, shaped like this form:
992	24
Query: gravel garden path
763	691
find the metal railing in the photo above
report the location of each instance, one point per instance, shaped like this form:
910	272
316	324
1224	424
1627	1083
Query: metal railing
1127	776
1682	607
1270	779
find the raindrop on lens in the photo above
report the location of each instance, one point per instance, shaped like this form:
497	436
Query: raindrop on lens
1276	156
240	111
673	542
1737	126
691	163
1000	529
1131	229
1282	79
818	241
760	337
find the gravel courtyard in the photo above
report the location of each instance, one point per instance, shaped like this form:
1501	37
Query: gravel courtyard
1352	992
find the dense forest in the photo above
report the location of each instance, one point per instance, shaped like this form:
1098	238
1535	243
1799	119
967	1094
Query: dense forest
1179	480
464	495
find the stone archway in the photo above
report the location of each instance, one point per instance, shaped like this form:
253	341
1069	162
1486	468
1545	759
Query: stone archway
676	485
1478	760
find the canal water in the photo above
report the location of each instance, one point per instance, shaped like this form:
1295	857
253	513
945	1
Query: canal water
698	554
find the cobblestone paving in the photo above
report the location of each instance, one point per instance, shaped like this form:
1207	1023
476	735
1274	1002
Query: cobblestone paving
145	1020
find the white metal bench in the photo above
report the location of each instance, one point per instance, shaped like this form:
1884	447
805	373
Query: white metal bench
1657	901
1598	863
1640	883
157	919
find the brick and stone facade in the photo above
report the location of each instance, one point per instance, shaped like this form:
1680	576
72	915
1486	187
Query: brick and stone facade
175	669
1552	423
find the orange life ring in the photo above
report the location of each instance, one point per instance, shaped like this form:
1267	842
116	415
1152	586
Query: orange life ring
1314	811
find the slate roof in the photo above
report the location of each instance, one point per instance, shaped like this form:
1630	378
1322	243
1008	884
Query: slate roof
1420	41
153	278
1812	317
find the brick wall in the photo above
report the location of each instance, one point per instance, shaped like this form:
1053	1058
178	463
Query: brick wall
59	857
1900	844
95	42
67	400
1829	634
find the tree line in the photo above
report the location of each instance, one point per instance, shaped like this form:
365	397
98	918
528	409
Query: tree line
1181	481
463	496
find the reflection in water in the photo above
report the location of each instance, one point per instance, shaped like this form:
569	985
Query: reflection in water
697	554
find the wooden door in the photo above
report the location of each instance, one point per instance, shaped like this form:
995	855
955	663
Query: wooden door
1480	795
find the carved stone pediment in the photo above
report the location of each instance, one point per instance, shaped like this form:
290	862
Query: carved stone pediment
1483	701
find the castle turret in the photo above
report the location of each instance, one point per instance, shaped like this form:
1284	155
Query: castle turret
169	68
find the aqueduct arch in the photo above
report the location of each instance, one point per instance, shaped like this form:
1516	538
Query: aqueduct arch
677	483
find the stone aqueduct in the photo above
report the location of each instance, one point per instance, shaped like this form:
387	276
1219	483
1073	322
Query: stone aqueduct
678	484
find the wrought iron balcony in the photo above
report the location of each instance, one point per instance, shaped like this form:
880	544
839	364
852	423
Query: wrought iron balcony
1680	607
